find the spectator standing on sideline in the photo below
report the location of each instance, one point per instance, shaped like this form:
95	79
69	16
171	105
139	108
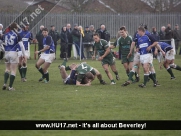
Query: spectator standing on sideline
87	40
155	34
168	34
64	43
81	42
162	33
104	34
91	28
1	31
76	38
55	36
1	38
177	37
39	38
70	41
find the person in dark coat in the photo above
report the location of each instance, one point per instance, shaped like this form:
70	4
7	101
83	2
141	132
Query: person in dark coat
104	34
70	40
177	37
88	43
168	34
155	34
55	36
63	43
39	38
162	33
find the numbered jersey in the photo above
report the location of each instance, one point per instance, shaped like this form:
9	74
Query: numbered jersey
26	37
83	68
11	40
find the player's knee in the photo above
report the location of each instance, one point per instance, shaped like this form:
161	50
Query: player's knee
36	66
24	64
106	70
172	65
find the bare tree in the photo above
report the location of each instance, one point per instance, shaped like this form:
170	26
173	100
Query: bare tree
76	5
162	5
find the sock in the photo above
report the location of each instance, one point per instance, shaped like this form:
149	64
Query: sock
41	71
145	78
131	75
113	81
20	70
12	78
23	72
116	73
6	76
136	75
46	76
178	68
152	77
67	68
64	63
170	72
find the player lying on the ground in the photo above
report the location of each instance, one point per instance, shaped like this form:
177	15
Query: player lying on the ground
169	58
81	70
72	78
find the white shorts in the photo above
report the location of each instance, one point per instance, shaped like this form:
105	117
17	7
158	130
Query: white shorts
11	57
170	55
146	58
136	58
65	80
27	54
48	57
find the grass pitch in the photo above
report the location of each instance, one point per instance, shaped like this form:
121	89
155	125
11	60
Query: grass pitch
55	101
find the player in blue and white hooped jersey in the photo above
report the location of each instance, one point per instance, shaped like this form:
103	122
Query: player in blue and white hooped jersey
12	41
47	56
145	44
26	38
169	58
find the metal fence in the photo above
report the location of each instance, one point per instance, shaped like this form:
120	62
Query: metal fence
112	21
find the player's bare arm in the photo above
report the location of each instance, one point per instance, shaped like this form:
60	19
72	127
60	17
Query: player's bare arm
79	84
93	57
44	49
105	54
131	49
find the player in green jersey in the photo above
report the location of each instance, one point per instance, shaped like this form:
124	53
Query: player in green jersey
106	57
124	43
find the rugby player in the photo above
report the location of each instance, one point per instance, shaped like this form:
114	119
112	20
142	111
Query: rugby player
47	56
106	57
72	78
124	43
26	38
169	58
81	70
12	41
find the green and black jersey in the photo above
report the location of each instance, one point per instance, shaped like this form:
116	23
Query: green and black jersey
124	45
82	69
101	47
